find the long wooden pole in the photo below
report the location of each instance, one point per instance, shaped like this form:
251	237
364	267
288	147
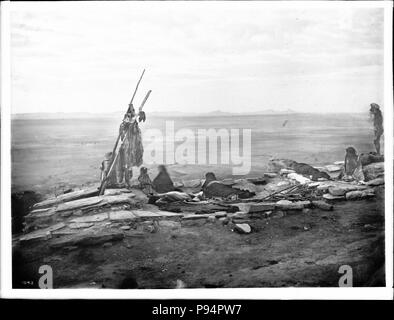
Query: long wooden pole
136	88
128	108
143	102
104	182
115	153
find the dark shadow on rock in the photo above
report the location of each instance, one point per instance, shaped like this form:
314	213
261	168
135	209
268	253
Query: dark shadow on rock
21	203
23	276
374	271
129	282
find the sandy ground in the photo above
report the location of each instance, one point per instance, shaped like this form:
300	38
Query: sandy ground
304	249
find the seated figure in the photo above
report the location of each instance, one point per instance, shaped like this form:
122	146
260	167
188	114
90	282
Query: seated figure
214	188
145	182
163	183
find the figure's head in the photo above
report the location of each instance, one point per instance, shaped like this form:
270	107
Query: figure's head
162	168
351	151
374	108
131	110
210	176
126	117
143	170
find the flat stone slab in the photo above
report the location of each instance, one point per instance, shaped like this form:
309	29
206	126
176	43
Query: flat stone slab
115	192
79	207
332	168
95	202
252	207
78	195
322	205
65	232
67	197
299	178
304	203
239	220
159	214
47	212
329	196
122	215
42	211
220	214
92	218
283	183
238	215
169	224
286	171
321	186
355	195
35	236
373	171
325	185
258	207
341	190
79	204
375	182
191	220
242	206
42	234
288	205
314	184
193	207
80	225
194	217
55	227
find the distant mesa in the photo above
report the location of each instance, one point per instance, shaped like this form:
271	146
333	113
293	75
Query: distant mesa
61	115
217	113
89	115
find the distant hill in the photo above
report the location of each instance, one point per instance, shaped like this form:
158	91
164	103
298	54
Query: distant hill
61	115
272	111
169	114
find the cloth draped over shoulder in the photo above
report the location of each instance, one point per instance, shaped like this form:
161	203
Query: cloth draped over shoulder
214	188
132	149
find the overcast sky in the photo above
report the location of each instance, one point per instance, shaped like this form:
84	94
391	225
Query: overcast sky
200	57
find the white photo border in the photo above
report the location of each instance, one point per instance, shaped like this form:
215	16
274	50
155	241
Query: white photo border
383	293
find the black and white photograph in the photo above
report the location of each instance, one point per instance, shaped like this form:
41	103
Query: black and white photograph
197	145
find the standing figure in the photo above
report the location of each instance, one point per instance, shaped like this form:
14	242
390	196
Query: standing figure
377	124
131	151
105	166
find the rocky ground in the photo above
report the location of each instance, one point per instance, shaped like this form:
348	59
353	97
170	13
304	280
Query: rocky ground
120	241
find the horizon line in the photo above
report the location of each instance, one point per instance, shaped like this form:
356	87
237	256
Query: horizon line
268	111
